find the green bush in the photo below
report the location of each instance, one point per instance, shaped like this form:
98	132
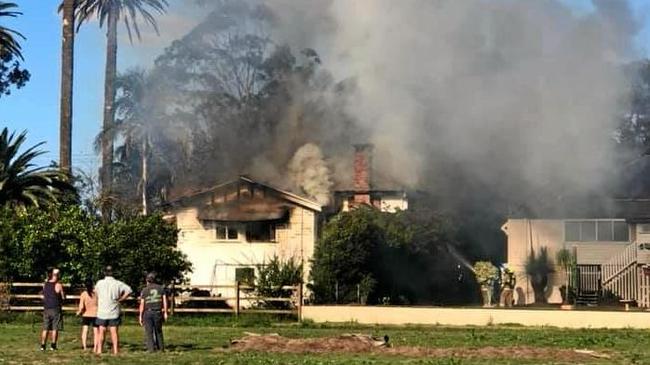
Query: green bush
392	258
80	245
273	275
538	267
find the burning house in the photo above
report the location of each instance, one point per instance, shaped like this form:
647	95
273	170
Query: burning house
368	189
229	229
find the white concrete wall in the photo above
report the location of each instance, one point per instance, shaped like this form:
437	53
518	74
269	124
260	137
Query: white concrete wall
475	317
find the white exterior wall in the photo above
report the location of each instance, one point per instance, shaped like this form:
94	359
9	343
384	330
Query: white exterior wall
526	234
214	261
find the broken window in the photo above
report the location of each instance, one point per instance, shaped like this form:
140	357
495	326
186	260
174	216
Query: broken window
245	275
226	233
260	232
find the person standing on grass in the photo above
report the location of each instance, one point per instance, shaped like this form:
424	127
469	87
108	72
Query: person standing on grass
88	312
53	297
110	293
153	312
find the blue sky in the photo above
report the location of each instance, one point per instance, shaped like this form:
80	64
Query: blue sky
36	106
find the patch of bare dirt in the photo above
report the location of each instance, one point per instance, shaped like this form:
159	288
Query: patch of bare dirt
357	343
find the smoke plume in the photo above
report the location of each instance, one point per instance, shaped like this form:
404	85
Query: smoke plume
520	96
309	172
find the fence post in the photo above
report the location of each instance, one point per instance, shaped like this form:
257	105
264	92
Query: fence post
237	298
173	300
300	299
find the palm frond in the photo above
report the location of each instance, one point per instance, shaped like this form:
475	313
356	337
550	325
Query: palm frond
129	11
21	182
8	42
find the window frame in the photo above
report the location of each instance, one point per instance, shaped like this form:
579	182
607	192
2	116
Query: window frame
228	229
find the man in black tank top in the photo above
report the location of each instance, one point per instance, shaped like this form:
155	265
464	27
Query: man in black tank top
53	297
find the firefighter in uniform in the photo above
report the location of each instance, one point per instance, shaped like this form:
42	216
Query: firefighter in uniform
508	282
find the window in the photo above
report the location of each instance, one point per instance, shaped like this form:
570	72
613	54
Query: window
605	230
588	231
226	233
596	230
260	232
572	231
245	275
621	231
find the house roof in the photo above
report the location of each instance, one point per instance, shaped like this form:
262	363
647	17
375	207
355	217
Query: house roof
633	210
283	194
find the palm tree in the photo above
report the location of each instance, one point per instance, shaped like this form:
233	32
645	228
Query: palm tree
67	66
132	109
136	161
22	184
109	12
8	42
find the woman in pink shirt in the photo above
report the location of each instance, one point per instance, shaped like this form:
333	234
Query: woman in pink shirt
88	311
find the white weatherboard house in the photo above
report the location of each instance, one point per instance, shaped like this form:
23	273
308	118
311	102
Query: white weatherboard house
229	229
611	248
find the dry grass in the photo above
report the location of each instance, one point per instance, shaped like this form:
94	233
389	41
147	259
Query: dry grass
358	344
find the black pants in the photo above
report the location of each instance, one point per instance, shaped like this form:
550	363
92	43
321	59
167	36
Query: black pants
153	321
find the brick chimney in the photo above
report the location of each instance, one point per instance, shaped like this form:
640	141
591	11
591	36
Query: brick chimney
362	171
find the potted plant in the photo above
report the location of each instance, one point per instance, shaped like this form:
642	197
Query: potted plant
538	267
486	275
565	259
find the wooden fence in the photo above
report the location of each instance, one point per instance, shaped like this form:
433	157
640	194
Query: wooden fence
25	297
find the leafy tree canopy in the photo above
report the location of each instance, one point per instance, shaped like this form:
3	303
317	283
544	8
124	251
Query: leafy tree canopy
401	258
81	245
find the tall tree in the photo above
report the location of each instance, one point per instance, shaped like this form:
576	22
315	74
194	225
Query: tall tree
109	12
133	109
67	67
23	184
10	53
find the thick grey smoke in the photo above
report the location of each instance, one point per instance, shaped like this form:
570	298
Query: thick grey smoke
521	94
309	172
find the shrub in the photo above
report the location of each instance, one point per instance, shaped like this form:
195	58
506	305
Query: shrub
486	276
80	244
274	275
538	267
365	255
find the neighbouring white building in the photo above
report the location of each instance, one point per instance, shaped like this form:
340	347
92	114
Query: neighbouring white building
611	248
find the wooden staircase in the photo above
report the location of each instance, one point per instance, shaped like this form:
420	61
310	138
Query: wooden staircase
623	275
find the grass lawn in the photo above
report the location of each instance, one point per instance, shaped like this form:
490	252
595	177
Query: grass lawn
205	341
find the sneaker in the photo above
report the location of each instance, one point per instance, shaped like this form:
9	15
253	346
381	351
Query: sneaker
53	347
43	347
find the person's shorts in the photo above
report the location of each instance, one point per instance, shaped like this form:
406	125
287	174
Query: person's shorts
88	321
115	322
52	320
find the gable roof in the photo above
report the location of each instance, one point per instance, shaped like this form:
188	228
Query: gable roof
283	194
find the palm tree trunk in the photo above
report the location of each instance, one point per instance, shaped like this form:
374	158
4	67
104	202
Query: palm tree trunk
67	66
109	111
145	174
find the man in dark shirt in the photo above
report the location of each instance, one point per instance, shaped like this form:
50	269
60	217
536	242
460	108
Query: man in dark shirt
53	297
153	311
